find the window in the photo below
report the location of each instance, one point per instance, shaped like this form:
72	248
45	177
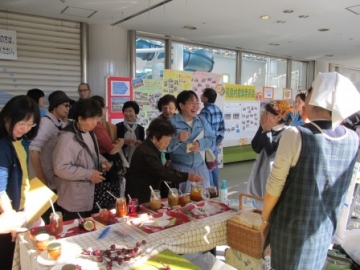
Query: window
352	74
262	71
198	58
298	76
150	58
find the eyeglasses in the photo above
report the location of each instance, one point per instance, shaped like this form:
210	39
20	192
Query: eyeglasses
25	125
192	103
66	105
83	90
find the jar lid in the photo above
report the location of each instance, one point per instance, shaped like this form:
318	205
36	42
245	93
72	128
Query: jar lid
42	237
54	246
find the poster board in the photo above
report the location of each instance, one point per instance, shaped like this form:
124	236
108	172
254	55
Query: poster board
118	91
241	112
147	94
175	81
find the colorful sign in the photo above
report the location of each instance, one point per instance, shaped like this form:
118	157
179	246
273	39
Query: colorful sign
118	91
240	92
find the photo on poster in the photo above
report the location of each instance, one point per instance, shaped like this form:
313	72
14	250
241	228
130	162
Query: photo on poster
118	103
120	88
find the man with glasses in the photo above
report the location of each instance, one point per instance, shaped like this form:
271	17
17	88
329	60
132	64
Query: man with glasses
84	92
42	146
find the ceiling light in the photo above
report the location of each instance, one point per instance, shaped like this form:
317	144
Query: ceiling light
265	17
303	16
288	11
323	29
274	44
281	21
188	27
329	55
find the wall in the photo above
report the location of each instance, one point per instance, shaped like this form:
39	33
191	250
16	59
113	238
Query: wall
225	65
108	55
321	66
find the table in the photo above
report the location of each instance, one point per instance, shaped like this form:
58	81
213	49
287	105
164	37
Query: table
195	236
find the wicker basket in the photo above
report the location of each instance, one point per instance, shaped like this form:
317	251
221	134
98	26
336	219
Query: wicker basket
245	239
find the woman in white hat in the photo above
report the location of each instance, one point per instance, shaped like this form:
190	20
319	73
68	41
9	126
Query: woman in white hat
310	177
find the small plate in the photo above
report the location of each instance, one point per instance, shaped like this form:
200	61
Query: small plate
86	264
44	260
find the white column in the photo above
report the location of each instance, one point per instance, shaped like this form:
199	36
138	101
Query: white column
178	56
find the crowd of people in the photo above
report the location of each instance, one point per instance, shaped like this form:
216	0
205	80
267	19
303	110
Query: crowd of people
302	170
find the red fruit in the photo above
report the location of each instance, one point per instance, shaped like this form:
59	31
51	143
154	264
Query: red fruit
120	261
119	252
143	242
138	244
112	247
96	252
136	249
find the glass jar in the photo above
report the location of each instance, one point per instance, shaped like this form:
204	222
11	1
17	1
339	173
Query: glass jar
56	223
54	251
184	199
195	192
213	191
121	209
155	200
104	216
133	207
173	197
42	241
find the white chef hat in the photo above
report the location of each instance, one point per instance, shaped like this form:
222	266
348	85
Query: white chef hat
335	93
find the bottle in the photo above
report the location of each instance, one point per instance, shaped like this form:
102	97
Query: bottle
223	194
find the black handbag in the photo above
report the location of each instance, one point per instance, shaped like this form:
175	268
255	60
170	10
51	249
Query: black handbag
118	168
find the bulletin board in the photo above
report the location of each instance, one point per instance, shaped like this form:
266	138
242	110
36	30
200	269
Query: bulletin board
240	103
118	91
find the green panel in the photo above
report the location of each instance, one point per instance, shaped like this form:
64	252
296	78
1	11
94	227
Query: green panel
238	153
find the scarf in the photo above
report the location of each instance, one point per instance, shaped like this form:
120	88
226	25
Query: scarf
162	154
130	134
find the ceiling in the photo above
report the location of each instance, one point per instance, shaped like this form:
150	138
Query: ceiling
230	23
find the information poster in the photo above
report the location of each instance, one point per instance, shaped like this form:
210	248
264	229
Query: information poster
175	81
118	91
231	112
8	46
146	94
250	121
241	114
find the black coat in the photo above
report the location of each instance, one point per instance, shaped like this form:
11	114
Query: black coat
146	169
